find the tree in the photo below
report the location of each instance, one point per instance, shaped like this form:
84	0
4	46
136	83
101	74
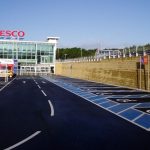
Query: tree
74	53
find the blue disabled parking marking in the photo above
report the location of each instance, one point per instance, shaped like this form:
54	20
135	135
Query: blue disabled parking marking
133	108
101	100
83	93
136	96
121	107
131	114
72	88
147	96
144	105
76	91
79	91
119	96
95	97
108	104
144	121
89	95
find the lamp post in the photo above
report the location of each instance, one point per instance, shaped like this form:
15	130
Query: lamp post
6	73
81	52
65	56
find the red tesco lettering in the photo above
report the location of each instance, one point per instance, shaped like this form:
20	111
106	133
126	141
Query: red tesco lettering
2	33
21	34
14	33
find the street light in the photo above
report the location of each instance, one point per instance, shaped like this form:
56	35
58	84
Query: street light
81	52
65	56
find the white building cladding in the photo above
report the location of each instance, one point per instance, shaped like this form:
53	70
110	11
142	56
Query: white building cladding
30	55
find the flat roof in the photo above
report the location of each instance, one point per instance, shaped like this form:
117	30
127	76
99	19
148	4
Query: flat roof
22	41
53	38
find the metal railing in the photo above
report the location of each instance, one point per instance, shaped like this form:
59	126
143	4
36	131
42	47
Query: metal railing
108	54
35	70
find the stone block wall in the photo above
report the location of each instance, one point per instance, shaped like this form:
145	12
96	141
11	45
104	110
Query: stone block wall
118	71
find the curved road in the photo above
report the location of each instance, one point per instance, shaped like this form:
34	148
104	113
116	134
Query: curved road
38	115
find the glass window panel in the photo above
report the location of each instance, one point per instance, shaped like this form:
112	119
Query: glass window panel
38	52
24	50
5	53
28	56
46	53
19	55
10	51
42	52
10	56
38	58
33	57
24	57
5	56
15	57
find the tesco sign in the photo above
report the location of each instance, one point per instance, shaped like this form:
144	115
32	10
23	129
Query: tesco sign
8	34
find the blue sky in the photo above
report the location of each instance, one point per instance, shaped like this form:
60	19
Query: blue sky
80	23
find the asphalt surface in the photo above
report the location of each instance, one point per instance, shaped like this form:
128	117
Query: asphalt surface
36	114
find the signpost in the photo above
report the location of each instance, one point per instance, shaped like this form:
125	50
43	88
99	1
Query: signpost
15	66
144	61
141	61
148	73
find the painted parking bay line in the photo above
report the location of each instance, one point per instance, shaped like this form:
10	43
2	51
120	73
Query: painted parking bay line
52	108
24	82
7	84
43	93
39	87
23	141
144	121
119	109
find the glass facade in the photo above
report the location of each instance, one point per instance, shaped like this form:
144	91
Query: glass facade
28	52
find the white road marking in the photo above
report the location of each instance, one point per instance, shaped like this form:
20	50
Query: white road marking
36	82
138	117
24	82
131	107
148	111
57	82
43	93
23	141
7	84
144	96
52	108
43	82
126	96
103	102
113	106
39	87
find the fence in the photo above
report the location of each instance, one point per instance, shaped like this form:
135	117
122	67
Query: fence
109	54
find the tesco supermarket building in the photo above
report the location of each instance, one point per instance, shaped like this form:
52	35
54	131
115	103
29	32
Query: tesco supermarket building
28	57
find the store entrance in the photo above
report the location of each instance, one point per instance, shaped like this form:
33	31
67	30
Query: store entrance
37	70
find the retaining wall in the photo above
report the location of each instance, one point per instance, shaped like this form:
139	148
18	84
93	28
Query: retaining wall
118	71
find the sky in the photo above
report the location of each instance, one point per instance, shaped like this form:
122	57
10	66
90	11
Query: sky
80	23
